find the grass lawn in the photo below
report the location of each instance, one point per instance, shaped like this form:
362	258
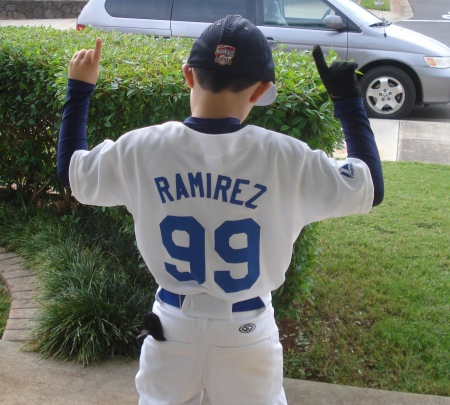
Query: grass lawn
381	317
370	4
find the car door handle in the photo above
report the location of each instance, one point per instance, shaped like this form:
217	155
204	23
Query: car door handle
273	41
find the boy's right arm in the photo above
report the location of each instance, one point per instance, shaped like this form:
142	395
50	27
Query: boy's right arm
83	75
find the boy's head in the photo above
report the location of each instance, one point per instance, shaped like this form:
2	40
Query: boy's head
233	54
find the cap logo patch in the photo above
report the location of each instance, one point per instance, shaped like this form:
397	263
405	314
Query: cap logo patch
225	54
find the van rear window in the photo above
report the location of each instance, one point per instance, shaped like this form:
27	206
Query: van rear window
212	10
140	9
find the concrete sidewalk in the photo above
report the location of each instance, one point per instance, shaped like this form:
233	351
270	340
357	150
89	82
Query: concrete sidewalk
399	10
26	380
410	141
61	24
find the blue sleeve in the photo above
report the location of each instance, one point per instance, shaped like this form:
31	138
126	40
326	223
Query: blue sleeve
72	133
360	139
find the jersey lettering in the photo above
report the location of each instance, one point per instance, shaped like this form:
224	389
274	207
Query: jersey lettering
195	255
208	185
237	190
196	183
262	190
163	188
181	188
199	185
223	185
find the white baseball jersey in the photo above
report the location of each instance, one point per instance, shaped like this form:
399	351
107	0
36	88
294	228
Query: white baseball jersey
219	214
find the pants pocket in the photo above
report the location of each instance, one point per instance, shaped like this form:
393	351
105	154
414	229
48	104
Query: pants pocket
250	374
167	373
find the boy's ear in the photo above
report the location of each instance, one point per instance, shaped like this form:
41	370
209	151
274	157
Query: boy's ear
188	75
260	90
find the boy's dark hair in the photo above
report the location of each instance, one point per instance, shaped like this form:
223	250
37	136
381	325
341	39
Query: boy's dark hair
215	81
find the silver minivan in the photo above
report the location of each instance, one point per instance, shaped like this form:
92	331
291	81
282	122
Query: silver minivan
401	68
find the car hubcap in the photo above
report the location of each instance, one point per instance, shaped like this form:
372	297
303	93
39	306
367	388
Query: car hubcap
385	95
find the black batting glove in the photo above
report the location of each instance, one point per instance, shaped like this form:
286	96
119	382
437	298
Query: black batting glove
340	78
153	327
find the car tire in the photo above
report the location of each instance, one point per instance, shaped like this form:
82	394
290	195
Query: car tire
388	92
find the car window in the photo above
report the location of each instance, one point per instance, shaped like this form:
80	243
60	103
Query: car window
140	9
297	13
212	10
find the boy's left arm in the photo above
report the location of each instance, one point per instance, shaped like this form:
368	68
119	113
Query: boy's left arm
83	76
360	140
343	87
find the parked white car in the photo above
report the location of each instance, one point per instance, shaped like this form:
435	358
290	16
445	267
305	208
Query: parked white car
401	68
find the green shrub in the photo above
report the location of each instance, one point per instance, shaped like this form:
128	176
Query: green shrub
27	114
91	306
298	285
5	304
92	293
136	89
140	84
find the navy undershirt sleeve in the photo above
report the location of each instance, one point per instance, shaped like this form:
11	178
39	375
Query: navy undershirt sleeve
72	133
360	139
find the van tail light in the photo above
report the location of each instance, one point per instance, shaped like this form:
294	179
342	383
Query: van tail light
80	27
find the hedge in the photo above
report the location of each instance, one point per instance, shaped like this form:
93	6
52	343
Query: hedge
140	84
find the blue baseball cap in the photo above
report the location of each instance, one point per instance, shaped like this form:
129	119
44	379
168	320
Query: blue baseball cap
236	46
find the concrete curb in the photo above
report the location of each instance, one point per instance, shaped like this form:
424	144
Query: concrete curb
21	285
399	10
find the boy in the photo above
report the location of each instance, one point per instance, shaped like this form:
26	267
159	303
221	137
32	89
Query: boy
217	207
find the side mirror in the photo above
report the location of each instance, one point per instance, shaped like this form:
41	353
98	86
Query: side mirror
334	22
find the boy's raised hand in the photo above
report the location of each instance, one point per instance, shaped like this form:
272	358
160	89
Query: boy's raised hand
84	65
340	78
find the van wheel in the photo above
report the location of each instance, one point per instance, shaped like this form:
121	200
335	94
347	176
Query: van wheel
388	92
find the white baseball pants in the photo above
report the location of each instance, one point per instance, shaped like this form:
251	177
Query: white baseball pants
237	362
